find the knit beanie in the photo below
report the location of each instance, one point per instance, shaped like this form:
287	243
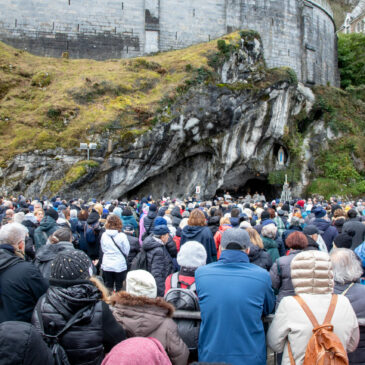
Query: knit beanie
70	266
319	212
93	217
159	221
344	240
153	208
51	213
192	254
160	230
141	283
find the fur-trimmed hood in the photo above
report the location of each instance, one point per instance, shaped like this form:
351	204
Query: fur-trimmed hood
141	316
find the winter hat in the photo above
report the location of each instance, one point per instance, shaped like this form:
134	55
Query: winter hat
265	215
19	217
192	254
311	229
159	221
160	230
118	211
344	240
70	266
162	211
153	208
51	213
235	236
141	283
301	203
185	214
93	217
319	212
137	351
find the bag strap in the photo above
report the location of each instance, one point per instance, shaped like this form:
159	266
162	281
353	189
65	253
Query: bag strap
290	353
120	250
307	311
331	309
347	289
174	283
149	227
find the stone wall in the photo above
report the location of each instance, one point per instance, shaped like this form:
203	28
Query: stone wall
295	33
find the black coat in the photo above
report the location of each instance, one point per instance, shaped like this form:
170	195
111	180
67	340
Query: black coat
148	221
260	258
159	262
359	228
135	247
22	344
213	224
47	253
356	295
29	243
21	285
86	341
176	216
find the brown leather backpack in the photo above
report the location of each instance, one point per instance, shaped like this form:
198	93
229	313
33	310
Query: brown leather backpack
324	347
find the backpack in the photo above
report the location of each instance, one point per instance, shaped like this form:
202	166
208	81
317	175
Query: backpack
90	235
148	229
185	300
324	347
140	261
53	341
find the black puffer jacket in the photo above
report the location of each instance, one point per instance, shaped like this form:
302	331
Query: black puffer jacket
213	224
159	262
176	216
22	344
148	221
86	341
356	295
260	258
29	243
135	247
47	253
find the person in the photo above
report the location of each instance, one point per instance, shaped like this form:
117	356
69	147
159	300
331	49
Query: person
21	283
280	272
176	216
344	240
73	289
347	271
31	223
146	222
93	232
338	219
59	241
22	344
324	225
137	351
268	235
134	246
224	224
39	214
47	226
115	248
142	314
312	278
196	230
233	296
191	256
128	218
258	255
353	224
159	260
315	240
82	217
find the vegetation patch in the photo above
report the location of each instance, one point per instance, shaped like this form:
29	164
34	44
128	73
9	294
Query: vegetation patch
41	79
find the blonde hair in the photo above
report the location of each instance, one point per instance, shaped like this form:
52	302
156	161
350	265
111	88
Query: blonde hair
255	237
224	220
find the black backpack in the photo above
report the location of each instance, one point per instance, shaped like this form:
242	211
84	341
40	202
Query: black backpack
140	261
53	341
185	300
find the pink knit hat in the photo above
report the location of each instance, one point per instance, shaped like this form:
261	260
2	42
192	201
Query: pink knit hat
137	351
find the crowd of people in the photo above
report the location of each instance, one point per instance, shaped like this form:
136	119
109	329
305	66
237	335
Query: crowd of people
172	281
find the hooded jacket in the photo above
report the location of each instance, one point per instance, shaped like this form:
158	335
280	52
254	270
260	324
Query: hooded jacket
176	216
129	219
312	278
146	224
47	227
47	253
146	317
159	262
203	235
329	232
21	284
359	228
213	224
22	344
272	247
338	224
260	257
134	246
218	235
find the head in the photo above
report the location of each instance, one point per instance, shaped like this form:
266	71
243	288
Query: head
50	212
346	266
339	213
197	218
236	239
39	214
73	213
269	231
161	232
271	213
61	235
14	234
297	241
352	213
113	222
224	220
99	208
141	283
344	239
235	212
83	215
192	255
255	237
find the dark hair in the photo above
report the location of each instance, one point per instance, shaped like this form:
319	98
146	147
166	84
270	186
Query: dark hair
114	222
83	215
352	213
271	211
196	218
235	212
297	241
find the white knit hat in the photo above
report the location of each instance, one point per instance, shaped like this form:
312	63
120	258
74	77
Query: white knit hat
141	283
192	254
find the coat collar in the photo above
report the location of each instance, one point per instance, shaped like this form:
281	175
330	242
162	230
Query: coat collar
229	256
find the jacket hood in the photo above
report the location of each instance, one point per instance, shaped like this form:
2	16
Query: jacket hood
321	224
150	243
111	232
192	231
255	253
269	243
235	221
47	223
151	214
140	315
49	252
176	212
8	257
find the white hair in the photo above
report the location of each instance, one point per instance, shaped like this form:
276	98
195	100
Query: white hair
13	233
346	266
269	231
19	217
73	213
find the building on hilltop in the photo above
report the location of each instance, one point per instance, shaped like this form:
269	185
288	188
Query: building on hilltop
355	21
295	33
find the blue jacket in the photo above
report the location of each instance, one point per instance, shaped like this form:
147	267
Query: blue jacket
233	296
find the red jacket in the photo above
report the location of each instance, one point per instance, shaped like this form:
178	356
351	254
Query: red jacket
218	234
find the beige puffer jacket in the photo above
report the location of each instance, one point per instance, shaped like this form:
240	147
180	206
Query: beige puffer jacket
312	278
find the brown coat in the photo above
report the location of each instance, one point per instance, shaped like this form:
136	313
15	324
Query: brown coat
145	317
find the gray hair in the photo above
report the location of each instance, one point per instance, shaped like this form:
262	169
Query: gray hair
346	266
61	235
269	231
13	233
73	213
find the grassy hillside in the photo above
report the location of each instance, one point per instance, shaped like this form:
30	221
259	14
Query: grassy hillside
48	102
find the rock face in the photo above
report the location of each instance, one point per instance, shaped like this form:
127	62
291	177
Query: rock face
223	136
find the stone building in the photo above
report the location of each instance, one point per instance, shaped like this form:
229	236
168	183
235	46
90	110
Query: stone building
355	21
295	33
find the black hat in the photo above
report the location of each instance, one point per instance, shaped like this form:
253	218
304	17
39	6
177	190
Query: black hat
93	217
344	240
319	212
311	229
265	215
153	208
51	213
70	266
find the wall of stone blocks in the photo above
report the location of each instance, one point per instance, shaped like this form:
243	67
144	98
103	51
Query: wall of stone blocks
295	33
